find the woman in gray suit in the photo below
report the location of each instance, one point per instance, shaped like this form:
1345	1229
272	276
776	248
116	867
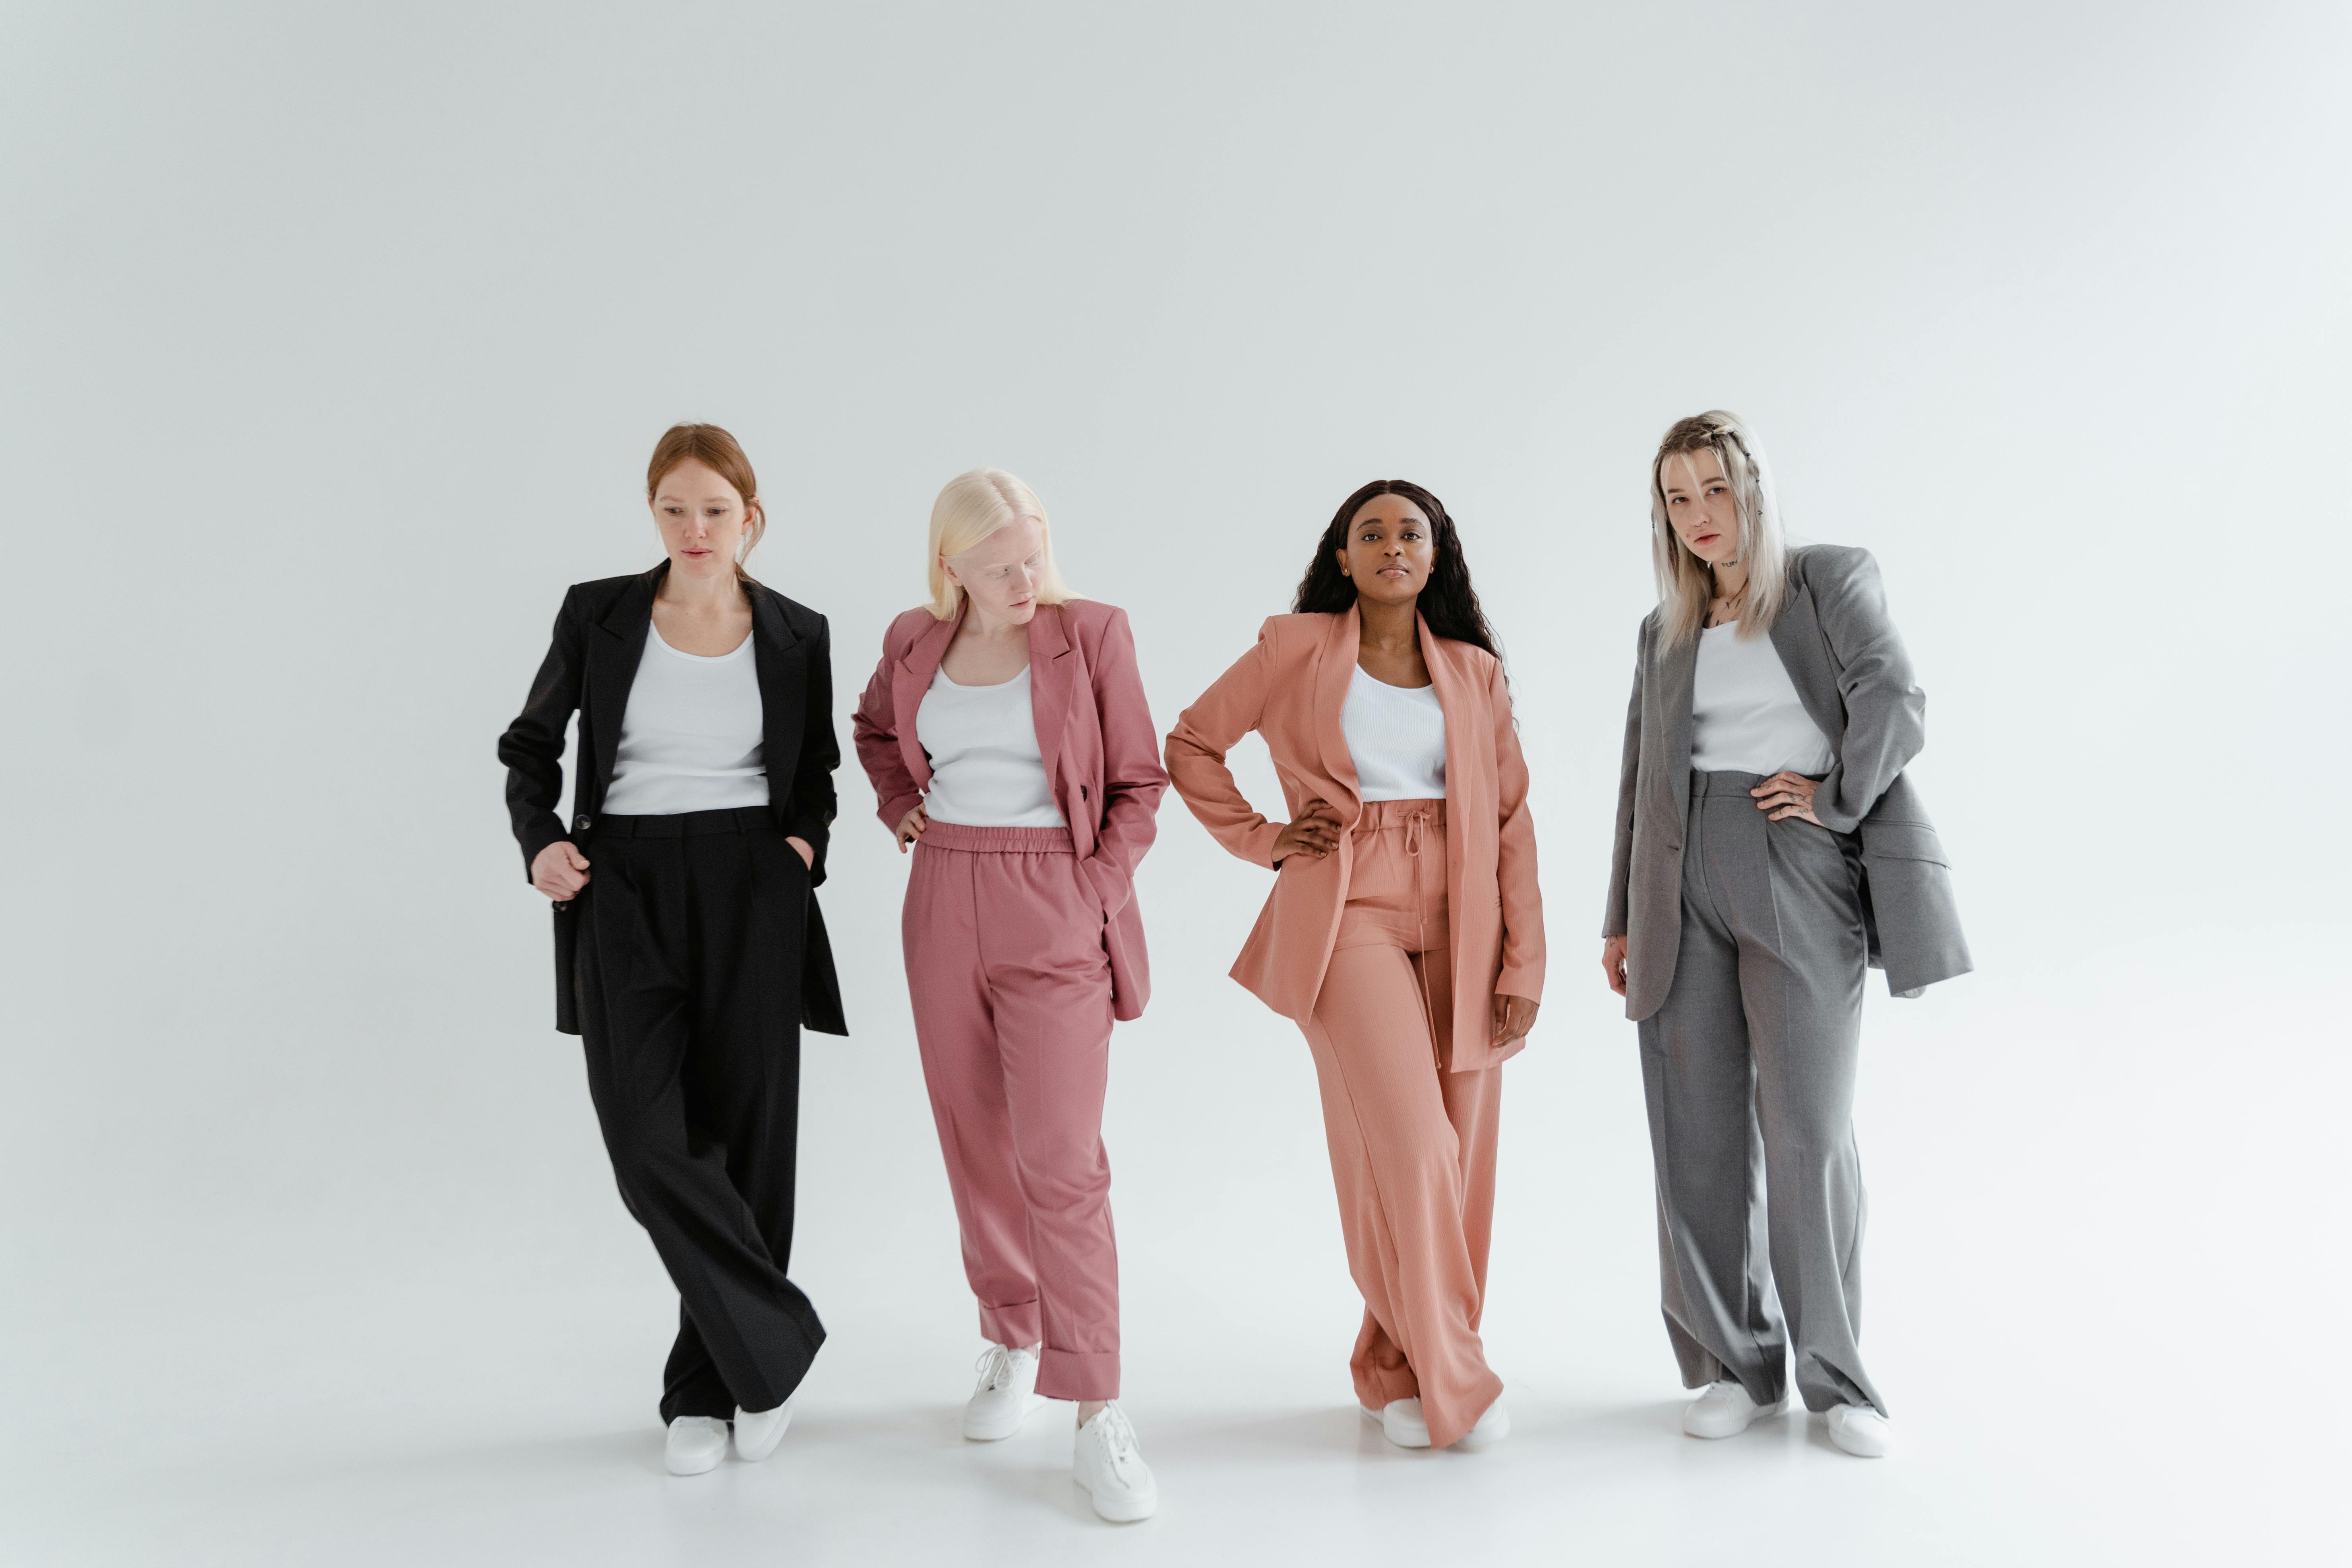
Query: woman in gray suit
1769	848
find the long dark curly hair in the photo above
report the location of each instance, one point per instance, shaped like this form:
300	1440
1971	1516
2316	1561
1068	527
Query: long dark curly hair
1449	604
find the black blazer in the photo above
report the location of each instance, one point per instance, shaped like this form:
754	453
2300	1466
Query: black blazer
600	635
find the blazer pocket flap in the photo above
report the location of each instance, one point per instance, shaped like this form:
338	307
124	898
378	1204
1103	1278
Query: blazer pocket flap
1902	841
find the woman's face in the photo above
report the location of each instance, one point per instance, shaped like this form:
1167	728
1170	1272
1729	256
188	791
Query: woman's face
1002	572
1699	505
1389	551
702	519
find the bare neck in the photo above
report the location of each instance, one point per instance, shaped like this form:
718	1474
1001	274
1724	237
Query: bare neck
1391	627
980	625
701	596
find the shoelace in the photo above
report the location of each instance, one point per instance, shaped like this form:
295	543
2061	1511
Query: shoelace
994	1366
1118	1437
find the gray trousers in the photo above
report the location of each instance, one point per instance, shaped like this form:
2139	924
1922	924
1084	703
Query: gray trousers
1749	1068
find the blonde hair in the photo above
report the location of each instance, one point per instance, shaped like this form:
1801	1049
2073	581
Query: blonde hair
1685	583
970	507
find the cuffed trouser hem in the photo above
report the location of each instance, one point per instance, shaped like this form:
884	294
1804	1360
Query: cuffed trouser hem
1078	1375
1018	1325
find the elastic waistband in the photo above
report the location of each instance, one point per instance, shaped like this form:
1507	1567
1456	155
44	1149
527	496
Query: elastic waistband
1384	814
1704	784
686	824
973	840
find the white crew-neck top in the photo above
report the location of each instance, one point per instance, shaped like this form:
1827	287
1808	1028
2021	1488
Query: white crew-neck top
986	768
1745	717
1396	738
693	735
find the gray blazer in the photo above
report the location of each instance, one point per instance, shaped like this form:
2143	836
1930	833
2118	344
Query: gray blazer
1855	680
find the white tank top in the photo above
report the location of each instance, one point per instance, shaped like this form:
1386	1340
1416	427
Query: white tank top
986	768
1396	738
693	736
1745	717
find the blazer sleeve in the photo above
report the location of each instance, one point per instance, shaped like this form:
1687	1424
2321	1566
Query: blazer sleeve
1886	712
532	747
1205	733
875	731
1617	918
815	801
1133	780
1515	855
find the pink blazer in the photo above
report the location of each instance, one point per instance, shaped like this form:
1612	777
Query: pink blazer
1094	728
1290	688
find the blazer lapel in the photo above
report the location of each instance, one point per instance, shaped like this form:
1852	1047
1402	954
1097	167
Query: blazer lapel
1050	684
1453	701
1805	655
1676	667
612	657
784	689
908	684
1335	670
1467	733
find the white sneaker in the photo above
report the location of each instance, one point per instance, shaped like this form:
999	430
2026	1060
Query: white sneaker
1488	1430
1007	1395
1724	1410
696	1444
1402	1422
1861	1431
1111	1468
757	1432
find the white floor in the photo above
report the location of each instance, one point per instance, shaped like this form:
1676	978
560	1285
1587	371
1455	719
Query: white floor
388	1464
2105	1304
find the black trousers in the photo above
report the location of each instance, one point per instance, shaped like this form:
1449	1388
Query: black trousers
688	975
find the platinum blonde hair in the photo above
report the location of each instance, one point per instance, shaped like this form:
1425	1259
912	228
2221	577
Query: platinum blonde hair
970	507
1685	583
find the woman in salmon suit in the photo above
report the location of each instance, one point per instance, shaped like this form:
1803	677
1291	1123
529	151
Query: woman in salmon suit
1405	934
1008	739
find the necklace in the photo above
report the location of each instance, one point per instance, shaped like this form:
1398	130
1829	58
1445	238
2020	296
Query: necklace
1728	603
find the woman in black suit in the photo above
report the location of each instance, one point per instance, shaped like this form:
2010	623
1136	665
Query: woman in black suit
689	949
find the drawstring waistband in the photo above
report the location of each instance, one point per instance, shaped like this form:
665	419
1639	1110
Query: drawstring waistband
997	840
1412	816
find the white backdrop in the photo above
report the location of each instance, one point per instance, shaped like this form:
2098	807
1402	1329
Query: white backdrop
333	345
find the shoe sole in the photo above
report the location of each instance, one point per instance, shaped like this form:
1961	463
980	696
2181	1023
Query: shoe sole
774	1438
1474	1440
1760	1413
1377	1419
998	1431
1131	1510
698	1467
1880	1452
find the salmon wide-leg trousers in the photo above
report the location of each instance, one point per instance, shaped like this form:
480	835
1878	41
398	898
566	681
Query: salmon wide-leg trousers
1011	994
1413	1143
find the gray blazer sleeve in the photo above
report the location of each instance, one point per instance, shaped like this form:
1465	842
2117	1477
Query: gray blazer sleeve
1886	712
1621	860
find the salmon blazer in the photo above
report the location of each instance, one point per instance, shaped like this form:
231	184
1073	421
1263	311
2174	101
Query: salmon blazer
1290	688
1094	730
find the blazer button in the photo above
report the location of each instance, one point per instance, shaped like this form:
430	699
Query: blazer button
581	826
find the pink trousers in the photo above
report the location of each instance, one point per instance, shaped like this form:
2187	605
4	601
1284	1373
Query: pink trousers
1011	995
1413	1143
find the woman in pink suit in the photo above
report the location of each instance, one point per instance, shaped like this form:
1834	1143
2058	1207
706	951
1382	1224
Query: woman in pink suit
1405	934
1006	734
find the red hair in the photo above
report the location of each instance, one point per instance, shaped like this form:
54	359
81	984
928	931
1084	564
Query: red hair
719	452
